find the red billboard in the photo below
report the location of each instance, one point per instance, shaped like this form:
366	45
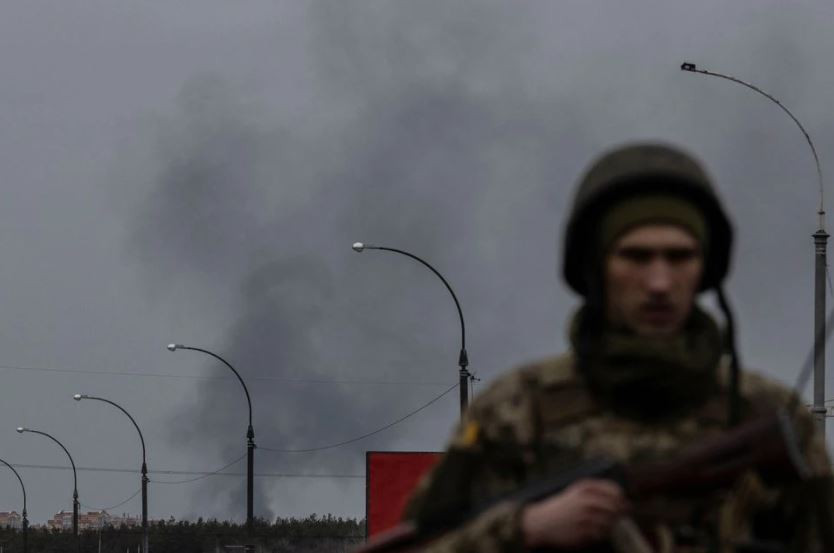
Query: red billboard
390	477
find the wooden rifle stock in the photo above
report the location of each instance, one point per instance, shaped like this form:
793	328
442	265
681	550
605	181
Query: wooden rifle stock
767	445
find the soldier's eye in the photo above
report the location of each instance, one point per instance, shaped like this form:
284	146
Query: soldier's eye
636	255
680	255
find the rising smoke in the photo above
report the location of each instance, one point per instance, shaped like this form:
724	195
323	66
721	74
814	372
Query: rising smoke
245	202
450	131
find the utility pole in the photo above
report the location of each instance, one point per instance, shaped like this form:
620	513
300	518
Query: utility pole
21	430
25	521
144	470
463	359
250	439
820	246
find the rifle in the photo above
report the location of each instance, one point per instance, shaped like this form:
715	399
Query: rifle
767	445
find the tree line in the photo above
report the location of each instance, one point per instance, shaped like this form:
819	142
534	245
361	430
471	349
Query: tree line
313	534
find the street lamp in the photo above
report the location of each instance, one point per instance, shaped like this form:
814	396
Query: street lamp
820	245
250	433
463	359
25	520
21	430
79	397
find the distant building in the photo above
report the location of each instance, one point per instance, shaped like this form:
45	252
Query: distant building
62	520
86	521
10	520
93	520
125	520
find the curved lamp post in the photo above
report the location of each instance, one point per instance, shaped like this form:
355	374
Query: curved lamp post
463	359
250	433
21	430
820	245
25	520
79	397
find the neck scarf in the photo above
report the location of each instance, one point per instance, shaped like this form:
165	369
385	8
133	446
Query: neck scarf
649	378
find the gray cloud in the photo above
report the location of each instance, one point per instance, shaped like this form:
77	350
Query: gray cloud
198	173
432	135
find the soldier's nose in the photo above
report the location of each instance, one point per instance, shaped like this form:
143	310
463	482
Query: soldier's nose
658	277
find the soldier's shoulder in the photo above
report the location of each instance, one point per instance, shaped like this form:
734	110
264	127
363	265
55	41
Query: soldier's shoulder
518	387
551	372
764	392
508	409
764	389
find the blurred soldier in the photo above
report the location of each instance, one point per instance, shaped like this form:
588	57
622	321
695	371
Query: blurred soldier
648	373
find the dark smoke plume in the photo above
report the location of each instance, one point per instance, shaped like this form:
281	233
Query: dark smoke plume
451	131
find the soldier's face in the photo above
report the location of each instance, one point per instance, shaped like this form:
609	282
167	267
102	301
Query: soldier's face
652	274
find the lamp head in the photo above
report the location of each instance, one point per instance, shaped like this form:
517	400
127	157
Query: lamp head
686	66
173	347
358	247
79	397
21	430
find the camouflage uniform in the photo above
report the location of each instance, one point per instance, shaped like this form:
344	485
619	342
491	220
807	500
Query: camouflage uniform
544	418
541	419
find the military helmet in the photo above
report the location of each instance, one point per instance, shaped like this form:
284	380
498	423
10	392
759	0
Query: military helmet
642	169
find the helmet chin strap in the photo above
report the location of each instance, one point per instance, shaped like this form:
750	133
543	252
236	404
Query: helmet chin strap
734	411
734	407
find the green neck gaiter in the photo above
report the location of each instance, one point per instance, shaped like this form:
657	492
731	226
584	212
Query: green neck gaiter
653	379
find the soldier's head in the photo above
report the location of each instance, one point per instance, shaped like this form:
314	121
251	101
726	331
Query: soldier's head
650	275
646	234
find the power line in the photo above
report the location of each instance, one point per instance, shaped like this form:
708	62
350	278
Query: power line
330	446
202	474
273	475
202	377
363	436
205	475
111	469
218	472
116	506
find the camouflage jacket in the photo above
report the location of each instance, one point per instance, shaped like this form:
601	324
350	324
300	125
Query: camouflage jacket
541	419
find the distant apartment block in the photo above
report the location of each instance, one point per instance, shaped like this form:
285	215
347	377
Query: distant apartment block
10	520
126	520
90	520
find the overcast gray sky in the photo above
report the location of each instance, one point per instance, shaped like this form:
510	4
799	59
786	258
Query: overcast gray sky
196	171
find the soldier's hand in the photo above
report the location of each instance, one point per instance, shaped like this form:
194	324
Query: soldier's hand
582	514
